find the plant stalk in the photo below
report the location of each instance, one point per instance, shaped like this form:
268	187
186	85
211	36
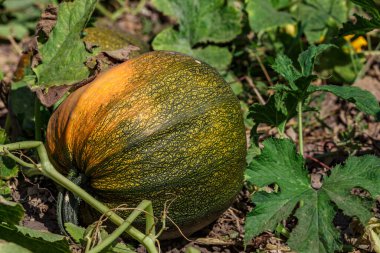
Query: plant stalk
144	205
300	130
47	169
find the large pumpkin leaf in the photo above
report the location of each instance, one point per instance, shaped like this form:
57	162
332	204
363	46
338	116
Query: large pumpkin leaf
318	15
10	212
203	21
364	100
218	57
263	15
10	247
314	233
34	240
64	54
200	22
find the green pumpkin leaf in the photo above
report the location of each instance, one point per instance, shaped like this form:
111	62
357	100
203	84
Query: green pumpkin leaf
5	190
199	22
276	112
64	54
218	57
363	25
121	248
315	232
363	172
34	240
263	16
284	66
287	170
76	232
10	212
8	168
203	21
14	29
369	6
307	58
299	81
279	4
317	16
10	247
279	163
364	100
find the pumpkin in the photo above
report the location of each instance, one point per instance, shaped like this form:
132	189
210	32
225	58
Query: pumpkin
162	126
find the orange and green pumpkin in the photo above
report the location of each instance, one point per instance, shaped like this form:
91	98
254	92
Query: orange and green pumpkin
162	126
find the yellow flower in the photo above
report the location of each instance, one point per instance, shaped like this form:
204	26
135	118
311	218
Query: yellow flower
291	30
358	43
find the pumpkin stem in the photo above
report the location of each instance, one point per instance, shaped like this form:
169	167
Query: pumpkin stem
68	203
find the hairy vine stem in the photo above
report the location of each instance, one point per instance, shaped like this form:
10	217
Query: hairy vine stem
48	170
300	136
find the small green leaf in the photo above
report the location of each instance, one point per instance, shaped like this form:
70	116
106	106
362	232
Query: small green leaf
363	25
10	212
34	240
8	168
75	232
10	247
122	248
263	16
284	66
252	152
276	112
13	29
364	100
307	58
369	6
64	53
5	190
299	81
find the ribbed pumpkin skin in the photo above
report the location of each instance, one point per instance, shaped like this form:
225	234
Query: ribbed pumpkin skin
160	126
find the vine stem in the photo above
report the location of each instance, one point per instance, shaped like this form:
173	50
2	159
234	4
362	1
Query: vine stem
144	205
300	136
48	170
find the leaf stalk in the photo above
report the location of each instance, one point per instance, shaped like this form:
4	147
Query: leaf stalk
300	127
